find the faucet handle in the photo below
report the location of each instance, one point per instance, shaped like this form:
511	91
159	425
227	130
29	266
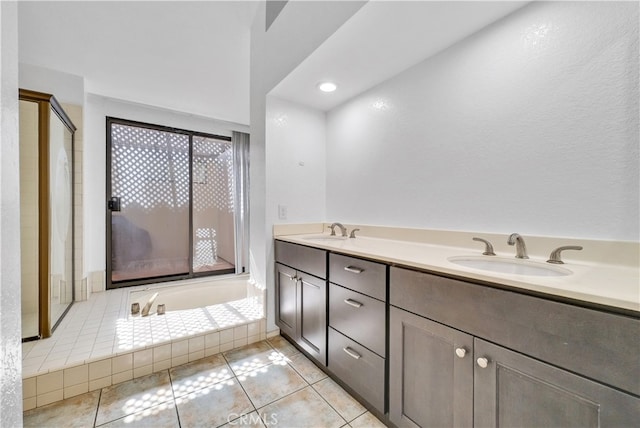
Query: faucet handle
488	250
333	230
555	254
353	233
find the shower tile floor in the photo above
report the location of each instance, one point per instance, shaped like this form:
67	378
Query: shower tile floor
268	383
100	327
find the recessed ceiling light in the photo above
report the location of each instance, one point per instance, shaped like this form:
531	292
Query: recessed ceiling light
327	86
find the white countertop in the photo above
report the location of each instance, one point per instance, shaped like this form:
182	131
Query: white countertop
613	285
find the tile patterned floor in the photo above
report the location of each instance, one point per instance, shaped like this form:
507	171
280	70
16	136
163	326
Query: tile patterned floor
266	384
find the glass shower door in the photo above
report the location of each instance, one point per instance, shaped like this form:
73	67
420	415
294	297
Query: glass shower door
149	206
46	213
60	218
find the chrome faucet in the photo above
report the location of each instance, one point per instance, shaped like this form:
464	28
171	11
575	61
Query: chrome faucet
555	254
521	248
342	229
147	307
488	248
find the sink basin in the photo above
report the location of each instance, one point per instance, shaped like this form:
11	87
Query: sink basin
325	238
511	266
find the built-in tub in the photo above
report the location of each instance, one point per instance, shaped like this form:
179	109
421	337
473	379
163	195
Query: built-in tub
196	293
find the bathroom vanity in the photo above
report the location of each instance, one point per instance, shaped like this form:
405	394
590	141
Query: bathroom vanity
301	290
422	347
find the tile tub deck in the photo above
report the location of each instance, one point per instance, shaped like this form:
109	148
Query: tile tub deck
97	344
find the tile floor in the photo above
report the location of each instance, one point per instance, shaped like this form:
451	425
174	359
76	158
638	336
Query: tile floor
268	383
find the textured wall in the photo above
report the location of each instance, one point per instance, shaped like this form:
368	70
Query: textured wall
300	28
530	125
296	152
10	347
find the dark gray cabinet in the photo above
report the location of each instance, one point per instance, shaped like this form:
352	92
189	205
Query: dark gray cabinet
512	390
301	298
431	373
287	300
358	367
358	326
359	317
312	312
434	384
457	353
363	276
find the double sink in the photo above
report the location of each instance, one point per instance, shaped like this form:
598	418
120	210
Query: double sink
513	266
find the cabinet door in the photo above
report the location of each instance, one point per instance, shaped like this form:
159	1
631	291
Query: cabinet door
313	316
286	300
431	373
513	390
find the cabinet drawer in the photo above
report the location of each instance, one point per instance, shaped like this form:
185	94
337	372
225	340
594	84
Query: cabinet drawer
360	275
306	259
358	367
596	344
360	317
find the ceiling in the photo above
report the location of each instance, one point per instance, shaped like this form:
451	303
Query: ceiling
382	39
191	57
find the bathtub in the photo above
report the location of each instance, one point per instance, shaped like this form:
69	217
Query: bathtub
195	293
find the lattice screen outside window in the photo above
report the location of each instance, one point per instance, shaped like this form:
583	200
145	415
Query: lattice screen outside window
150	172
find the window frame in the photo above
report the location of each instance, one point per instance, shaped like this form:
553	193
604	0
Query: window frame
108	241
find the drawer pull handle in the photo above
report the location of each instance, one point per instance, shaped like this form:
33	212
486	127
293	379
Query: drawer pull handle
353	269
350	352
353	303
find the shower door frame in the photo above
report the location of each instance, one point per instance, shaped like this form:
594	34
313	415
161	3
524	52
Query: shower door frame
46	104
156	279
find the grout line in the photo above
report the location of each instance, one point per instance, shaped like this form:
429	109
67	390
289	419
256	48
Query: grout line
330	405
234	378
175	407
173	394
285	396
95	417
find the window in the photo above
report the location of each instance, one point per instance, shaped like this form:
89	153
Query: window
177	205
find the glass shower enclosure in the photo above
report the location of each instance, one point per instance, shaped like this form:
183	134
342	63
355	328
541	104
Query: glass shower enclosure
46	213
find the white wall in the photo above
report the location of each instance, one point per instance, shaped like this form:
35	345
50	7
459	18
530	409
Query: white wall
67	88
297	31
530	125
296	177
10	346
97	108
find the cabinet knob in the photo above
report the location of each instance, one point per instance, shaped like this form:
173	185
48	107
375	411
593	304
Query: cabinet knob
482	362
293	278
461	352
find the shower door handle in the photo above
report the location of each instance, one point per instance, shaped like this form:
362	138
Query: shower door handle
114	203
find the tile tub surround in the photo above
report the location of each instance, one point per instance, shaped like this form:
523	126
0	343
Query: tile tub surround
98	344
604	272
226	389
